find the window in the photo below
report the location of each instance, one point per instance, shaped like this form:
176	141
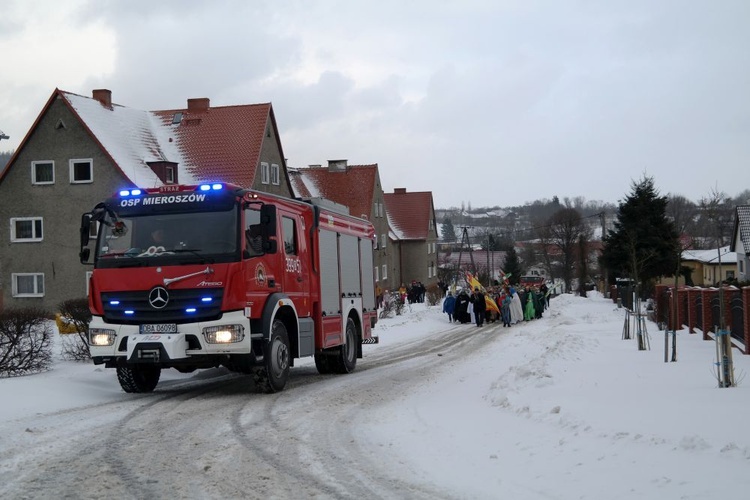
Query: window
730	275
25	229
170	175
81	171
741	263
432	224
28	284
275	174
42	172
264	173
89	274
377	277
384	272
382	241
290	245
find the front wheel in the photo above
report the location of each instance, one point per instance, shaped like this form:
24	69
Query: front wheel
138	378
274	373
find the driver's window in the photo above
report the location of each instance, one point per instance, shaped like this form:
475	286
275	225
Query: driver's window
253	232
290	240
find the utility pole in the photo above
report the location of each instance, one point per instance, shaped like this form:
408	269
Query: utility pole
604	269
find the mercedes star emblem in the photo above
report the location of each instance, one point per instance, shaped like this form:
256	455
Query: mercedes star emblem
158	297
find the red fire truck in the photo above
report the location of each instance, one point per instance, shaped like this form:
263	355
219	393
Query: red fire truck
192	277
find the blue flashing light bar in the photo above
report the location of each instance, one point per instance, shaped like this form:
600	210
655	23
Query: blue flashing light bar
130	192
206	299
129	312
190	310
211	187
114	302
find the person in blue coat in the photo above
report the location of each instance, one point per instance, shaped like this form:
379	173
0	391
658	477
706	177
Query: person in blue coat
449	306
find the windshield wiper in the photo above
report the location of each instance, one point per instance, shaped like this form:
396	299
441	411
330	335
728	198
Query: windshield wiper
196	252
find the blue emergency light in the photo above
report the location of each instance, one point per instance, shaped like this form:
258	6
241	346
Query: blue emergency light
211	187
130	192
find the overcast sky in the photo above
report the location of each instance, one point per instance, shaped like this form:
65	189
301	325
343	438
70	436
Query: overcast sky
484	102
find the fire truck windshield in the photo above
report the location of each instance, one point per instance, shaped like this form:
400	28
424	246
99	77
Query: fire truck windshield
168	238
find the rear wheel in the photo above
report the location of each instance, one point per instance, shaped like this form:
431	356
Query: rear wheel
138	378
323	363
274	373
345	359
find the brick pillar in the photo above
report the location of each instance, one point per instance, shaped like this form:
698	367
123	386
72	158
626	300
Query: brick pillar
746	316
693	294
728	306
706	294
682	313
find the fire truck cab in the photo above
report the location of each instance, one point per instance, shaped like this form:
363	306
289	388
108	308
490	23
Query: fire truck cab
191	277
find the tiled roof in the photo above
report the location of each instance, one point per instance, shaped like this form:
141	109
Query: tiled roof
353	186
409	214
222	142
216	143
742	225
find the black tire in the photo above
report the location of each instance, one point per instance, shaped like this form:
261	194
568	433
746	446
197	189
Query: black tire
345	359
323	364
138	378
274	373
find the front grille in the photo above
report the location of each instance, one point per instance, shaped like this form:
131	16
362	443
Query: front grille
133	308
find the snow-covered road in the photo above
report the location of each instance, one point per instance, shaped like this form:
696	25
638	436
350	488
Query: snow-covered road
212	436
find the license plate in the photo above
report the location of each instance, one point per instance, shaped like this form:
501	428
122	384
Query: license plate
159	328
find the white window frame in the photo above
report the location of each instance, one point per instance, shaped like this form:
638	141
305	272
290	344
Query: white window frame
275	174
14	238
383	239
169	175
265	175
377	274
36	293
385	272
73	161
35	164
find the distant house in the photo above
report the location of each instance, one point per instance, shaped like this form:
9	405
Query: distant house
411	217
741	241
358	188
707	267
81	150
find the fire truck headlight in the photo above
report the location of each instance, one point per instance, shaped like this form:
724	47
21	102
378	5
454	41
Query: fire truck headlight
224	334
101	337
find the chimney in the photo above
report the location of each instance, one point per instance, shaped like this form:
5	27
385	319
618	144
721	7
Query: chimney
198	105
104	96
399	191
337	165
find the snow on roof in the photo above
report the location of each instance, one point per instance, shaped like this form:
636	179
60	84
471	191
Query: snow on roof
131	137
711	256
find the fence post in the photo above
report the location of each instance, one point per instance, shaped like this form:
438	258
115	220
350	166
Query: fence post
746	316
706	306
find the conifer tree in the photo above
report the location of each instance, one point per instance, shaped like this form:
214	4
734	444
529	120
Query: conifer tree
447	231
644	243
512	266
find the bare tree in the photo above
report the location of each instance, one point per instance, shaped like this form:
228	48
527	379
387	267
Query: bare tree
717	209
565	228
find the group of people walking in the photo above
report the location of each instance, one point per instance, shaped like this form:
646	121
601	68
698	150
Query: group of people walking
514	305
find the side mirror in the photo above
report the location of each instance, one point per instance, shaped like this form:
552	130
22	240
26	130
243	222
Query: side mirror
84	255
85	227
268	219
